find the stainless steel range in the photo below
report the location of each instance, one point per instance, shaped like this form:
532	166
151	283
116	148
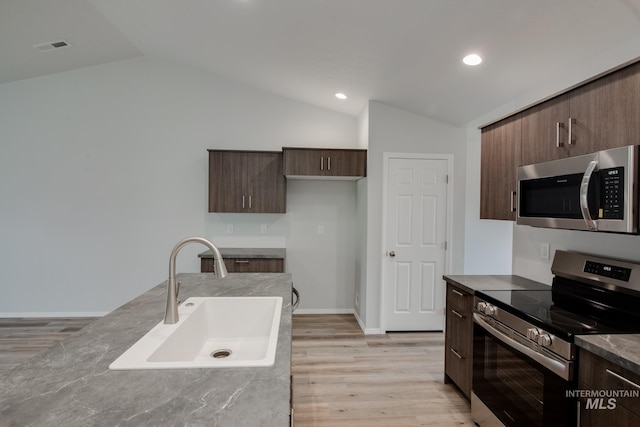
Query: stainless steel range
524	356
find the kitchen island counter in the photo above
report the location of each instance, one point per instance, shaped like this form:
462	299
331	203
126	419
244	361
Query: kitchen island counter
70	384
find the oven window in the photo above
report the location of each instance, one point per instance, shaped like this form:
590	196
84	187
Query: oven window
518	390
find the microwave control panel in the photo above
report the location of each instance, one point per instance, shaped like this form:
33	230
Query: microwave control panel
611	193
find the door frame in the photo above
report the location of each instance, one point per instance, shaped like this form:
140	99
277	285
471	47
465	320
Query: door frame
385	198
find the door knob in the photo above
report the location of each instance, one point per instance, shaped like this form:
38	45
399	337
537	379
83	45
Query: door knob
392	254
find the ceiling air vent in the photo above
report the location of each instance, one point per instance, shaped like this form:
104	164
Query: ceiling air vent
44	47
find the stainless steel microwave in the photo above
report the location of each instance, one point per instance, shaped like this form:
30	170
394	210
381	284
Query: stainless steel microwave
594	192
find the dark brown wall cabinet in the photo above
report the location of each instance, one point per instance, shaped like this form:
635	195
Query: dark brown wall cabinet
500	155
324	162
459	339
598	374
597	115
246	181
245	265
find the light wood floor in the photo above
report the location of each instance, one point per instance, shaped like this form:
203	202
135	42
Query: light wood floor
344	378
340	376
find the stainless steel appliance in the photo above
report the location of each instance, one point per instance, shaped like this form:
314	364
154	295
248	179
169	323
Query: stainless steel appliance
524	356
595	192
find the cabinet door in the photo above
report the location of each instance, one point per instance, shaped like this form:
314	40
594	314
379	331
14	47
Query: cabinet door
344	163
227	181
545	130
266	189
302	161
459	339
606	112
500	154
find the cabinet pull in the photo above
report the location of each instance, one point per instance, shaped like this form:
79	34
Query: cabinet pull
457	354
242	202
321	163
242	261
513	201
572	138
621	378
559	125
329	163
457	314
249	202
460	294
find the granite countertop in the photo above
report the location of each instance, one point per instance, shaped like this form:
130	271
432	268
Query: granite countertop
271	253
70	384
472	283
621	349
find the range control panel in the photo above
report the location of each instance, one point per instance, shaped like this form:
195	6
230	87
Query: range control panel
607	270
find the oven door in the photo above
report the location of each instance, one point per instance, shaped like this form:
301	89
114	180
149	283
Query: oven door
518	390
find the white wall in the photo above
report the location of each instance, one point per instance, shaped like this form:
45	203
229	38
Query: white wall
104	169
488	249
394	130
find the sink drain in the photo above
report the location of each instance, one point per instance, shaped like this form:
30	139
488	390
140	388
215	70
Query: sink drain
221	354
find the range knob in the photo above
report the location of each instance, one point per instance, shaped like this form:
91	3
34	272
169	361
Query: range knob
489	310
544	340
533	334
481	306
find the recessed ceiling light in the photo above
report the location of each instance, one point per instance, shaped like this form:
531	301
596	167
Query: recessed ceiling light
341	96
472	59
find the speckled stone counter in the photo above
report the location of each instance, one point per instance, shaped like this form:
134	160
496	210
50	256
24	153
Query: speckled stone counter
71	385
472	283
270	253
623	349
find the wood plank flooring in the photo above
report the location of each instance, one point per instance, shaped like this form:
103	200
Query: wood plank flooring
344	378
340	376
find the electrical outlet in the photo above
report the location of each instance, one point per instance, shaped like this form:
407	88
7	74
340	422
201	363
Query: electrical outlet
229	228
263	229
544	250
357	301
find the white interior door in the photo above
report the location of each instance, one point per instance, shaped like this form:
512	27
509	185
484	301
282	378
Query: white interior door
413	288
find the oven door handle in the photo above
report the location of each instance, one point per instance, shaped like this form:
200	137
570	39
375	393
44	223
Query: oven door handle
562	369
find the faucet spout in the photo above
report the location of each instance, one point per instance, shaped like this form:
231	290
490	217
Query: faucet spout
171	313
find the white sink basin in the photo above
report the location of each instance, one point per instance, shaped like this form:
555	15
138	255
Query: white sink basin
214	332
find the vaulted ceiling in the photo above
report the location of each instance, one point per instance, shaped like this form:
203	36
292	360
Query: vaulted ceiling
405	53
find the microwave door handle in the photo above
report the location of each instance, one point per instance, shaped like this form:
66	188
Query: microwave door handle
584	190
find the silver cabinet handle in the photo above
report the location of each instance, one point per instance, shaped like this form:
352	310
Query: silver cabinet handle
249	202
457	354
457	314
242	202
242	261
460	294
559	125
329	163
572	138
513	201
321	163
621	378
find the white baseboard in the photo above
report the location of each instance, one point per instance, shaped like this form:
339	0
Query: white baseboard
325	311
54	314
366	331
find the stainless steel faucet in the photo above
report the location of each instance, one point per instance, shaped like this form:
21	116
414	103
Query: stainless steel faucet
171	314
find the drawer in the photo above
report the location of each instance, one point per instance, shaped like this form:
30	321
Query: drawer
459	300
245	265
596	373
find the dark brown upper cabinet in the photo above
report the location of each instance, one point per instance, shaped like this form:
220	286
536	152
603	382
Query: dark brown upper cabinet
319	162
500	156
246	181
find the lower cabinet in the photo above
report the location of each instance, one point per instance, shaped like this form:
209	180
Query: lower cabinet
245	265
459	339
598	375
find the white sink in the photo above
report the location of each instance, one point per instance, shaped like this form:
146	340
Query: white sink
222	332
